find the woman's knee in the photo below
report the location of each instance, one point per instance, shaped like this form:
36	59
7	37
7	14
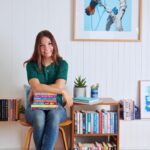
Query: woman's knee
53	118
39	118
56	116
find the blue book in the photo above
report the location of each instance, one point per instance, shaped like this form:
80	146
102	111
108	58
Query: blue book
86	100
115	122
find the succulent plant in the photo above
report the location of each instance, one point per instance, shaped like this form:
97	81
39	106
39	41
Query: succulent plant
95	86
80	82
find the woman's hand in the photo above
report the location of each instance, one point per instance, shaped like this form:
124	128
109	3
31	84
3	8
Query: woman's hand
67	98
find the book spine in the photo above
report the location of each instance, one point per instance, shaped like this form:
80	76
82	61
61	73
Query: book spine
115	122
78	122
111	122
75	122
100	122
108	122
84	122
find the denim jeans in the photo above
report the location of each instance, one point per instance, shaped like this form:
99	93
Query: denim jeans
45	124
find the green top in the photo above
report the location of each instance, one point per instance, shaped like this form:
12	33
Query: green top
49	74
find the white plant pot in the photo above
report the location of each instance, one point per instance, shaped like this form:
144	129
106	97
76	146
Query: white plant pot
79	91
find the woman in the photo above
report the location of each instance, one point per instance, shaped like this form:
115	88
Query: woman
47	72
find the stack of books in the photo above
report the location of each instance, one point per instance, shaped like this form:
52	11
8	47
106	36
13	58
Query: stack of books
44	101
86	100
127	109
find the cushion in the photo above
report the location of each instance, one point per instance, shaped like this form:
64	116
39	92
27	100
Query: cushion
26	90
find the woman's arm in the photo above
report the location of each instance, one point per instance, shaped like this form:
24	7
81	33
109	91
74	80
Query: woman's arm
36	86
56	88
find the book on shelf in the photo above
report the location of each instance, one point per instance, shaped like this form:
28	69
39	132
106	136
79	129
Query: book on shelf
86	100
95	122
44	101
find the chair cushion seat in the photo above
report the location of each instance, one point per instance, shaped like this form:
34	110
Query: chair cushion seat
62	124
65	123
25	123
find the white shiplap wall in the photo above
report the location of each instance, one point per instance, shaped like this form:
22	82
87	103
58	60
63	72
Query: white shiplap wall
117	66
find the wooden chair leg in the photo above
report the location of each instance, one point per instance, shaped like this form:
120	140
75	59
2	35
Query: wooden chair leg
64	137
28	139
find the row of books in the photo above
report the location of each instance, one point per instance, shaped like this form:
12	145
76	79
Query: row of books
9	109
96	146
96	122
44	101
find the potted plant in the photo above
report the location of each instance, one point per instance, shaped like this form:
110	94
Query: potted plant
94	90
21	112
80	87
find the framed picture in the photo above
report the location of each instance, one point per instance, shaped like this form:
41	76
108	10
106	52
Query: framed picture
107	20
145	99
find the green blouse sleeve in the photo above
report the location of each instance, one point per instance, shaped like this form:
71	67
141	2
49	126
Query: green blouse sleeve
62	70
31	71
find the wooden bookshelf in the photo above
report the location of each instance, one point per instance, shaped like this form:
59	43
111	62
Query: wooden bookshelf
114	105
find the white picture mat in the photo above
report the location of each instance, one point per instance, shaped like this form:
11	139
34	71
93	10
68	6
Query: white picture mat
80	34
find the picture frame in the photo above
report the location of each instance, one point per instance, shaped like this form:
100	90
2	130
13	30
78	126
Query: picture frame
102	20
145	99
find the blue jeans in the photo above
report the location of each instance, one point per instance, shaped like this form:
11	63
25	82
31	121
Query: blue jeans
45	126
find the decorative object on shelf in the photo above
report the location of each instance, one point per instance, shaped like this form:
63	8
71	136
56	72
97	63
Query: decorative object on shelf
145	99
127	109
107	21
21	112
94	90
80	87
86	100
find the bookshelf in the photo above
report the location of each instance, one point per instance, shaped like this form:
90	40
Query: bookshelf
112	106
9	109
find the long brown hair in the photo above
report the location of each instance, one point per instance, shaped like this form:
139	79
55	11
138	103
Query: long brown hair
36	56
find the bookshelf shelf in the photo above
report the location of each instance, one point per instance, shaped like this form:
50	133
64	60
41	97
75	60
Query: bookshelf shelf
112	106
78	135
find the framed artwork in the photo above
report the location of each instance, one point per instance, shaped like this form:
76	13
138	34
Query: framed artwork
107	20
145	99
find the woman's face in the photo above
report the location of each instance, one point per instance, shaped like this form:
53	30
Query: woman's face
46	47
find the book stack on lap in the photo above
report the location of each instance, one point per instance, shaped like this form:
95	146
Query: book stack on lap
44	101
86	100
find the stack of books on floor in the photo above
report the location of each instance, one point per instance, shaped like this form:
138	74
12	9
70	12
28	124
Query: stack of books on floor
44	101
86	100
